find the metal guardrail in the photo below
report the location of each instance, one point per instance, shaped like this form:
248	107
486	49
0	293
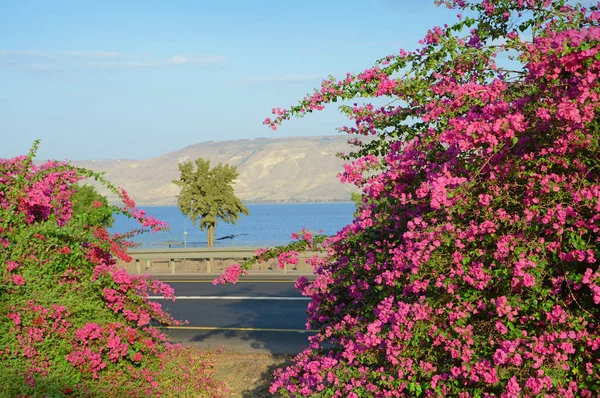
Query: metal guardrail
194	253
206	253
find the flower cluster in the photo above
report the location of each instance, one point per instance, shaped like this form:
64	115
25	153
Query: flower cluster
302	241
71	322
471	268
231	275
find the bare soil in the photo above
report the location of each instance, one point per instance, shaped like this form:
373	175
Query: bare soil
248	375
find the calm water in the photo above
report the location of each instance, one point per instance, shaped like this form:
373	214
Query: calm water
267	224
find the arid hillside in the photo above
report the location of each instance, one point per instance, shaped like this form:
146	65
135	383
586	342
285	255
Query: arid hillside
296	169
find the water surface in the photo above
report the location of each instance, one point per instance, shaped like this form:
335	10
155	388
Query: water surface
267	224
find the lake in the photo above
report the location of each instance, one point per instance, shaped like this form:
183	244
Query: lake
267	224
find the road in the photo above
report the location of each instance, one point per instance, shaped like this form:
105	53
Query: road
265	314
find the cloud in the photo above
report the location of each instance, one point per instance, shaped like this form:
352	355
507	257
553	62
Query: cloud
68	60
289	78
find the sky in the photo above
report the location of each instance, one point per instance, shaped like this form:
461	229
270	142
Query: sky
135	79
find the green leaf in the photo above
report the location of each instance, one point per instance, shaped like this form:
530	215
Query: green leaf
207	195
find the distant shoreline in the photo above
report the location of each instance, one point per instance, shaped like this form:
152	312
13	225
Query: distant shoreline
251	202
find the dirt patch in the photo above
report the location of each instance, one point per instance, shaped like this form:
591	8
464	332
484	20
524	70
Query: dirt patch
248	375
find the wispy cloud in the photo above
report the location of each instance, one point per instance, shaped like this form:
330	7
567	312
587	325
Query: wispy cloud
67	60
289	78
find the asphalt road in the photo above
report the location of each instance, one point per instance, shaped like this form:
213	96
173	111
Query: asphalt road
254	315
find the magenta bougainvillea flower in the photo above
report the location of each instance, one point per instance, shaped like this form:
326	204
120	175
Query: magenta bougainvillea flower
471	268
71	322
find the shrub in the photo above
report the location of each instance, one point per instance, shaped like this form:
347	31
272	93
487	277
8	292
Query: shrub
71	323
84	198
472	267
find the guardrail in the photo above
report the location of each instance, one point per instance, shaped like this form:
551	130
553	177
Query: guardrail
210	254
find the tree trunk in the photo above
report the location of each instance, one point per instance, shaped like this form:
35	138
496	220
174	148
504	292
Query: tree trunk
210	235
211	243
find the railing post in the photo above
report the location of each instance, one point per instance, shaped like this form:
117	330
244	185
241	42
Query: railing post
146	256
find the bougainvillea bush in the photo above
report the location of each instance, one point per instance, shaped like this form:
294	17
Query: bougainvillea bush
71	323
472	268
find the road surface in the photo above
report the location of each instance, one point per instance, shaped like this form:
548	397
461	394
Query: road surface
260	314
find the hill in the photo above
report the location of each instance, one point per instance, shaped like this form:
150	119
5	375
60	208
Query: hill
299	169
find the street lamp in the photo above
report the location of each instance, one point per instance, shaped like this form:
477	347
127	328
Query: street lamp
184	231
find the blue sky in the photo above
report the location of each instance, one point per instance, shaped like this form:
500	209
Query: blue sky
137	79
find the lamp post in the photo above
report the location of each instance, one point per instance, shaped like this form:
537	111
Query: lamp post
184	231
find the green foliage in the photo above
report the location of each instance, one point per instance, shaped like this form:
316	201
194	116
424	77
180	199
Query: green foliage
207	195
85	198
71	322
356	198
471	269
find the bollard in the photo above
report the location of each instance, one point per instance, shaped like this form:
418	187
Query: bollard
172	265
138	266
